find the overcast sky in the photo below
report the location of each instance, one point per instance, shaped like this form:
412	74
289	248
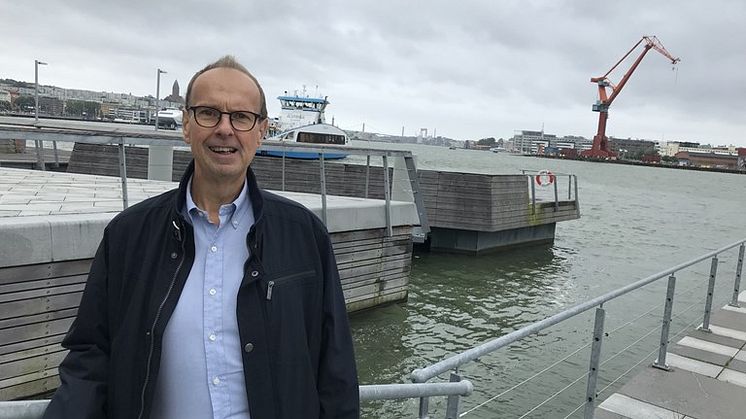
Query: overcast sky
468	69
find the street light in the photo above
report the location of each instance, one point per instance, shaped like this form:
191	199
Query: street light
37	63
38	143
157	95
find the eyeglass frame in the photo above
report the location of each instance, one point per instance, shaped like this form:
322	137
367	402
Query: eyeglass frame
257	117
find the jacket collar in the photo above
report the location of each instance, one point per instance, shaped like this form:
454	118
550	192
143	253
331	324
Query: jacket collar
257	203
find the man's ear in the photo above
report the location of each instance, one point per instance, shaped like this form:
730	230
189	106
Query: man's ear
185	125
263	127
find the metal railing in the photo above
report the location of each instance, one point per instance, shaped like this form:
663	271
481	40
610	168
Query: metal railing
539	180
82	132
455	362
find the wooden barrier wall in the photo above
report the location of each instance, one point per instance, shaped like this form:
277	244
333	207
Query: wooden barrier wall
38	302
453	200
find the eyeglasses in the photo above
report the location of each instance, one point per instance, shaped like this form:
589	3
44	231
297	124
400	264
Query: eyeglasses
208	117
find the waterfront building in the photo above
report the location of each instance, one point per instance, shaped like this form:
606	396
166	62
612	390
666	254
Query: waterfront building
629	148
537	142
674	147
713	160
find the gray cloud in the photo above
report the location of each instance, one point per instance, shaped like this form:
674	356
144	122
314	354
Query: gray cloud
470	69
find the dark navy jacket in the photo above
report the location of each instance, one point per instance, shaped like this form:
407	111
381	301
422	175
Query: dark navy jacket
298	356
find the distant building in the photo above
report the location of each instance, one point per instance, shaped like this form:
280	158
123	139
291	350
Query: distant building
696	159
630	148
538	142
673	148
174	96
51	106
5	96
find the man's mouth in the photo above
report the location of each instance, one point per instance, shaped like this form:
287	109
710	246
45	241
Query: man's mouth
223	150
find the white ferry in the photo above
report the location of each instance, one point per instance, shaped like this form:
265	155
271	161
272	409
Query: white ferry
170	118
302	120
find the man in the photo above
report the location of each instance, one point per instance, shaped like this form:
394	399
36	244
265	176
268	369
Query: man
216	299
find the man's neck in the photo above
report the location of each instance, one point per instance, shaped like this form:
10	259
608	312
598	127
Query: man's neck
209	194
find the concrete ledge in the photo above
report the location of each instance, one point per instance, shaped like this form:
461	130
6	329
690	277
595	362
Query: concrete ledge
51	217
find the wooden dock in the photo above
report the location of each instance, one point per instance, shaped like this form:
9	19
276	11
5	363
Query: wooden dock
467	212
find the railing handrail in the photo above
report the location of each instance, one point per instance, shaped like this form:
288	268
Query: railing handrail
88	135
33	409
414	390
421	375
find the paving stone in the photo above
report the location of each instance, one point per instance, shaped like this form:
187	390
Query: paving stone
712	337
737	365
729	319
688	393
699	354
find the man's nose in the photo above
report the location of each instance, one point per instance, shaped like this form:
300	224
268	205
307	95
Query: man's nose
224	124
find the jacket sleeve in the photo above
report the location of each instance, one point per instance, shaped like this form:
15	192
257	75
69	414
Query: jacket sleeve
337	377
83	372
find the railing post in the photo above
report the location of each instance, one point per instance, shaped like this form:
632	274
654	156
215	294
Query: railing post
660	363
598	335
283	167
424	402
367	175
737	284
453	401
123	174
556	196
577	201
39	145
56	155
323	188
533	193
569	187
710	291
387	195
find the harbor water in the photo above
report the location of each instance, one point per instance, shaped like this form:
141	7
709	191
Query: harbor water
635	221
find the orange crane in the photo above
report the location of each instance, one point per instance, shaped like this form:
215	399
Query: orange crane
600	149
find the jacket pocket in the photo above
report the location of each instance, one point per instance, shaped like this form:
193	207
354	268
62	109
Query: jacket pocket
290	279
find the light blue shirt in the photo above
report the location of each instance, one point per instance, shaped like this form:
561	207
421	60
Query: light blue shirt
201	369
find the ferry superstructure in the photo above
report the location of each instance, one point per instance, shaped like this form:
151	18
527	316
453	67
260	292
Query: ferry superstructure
302	120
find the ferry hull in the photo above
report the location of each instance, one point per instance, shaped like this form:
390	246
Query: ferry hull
302	155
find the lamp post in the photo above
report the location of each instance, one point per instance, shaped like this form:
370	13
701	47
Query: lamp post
160	157
39	145
157	96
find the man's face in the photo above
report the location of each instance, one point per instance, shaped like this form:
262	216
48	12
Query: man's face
222	153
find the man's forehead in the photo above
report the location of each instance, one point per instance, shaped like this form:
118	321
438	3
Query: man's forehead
225	78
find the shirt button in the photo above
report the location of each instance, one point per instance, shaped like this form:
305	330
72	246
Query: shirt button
174	255
235	223
248	347
254	273
213	291
216	380
212	337
214	249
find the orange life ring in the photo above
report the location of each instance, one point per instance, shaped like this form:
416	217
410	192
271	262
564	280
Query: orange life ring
545	174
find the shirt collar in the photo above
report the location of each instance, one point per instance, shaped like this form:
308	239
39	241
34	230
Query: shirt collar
239	205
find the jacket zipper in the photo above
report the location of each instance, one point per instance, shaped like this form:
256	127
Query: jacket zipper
155	321
284	279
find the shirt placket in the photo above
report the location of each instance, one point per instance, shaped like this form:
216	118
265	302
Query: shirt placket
213	321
